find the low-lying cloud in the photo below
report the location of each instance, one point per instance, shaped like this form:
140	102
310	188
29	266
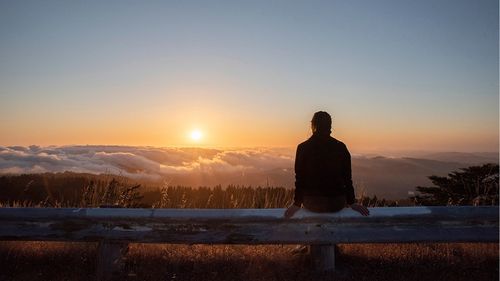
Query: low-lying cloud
387	177
176	165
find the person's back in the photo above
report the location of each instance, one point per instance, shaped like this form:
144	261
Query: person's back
323	180
323	174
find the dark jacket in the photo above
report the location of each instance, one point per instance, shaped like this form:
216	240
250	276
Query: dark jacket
323	168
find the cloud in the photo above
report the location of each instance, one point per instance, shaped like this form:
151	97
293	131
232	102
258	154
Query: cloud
184	165
386	177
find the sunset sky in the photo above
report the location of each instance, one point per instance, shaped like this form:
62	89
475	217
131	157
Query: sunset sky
401	75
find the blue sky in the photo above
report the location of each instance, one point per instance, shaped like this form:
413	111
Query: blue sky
415	75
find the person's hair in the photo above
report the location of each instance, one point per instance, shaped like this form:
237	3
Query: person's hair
321	123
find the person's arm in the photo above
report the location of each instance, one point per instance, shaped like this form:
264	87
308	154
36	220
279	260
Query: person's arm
299	184
299	177
347	175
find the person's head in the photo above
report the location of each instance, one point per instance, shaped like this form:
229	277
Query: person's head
321	123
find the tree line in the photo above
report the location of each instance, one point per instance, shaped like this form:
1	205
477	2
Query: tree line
475	185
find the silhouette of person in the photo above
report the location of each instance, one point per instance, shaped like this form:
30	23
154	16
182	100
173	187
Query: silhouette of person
323	181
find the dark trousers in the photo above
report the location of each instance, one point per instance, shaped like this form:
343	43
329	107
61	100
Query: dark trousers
323	204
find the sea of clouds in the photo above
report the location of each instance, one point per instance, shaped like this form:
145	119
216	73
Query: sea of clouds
179	165
389	177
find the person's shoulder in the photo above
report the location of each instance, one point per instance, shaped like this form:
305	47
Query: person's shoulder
338	143
305	144
309	141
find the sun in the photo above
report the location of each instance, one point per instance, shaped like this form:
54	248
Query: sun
196	135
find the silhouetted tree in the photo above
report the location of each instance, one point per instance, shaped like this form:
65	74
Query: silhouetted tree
475	185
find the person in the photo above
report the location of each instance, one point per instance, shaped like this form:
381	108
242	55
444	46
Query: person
323	181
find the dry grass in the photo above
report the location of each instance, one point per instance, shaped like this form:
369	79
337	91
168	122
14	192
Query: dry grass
67	190
75	261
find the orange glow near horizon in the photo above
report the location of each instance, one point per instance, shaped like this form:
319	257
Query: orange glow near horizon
217	122
241	131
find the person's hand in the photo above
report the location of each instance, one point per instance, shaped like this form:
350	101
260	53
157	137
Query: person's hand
291	211
360	209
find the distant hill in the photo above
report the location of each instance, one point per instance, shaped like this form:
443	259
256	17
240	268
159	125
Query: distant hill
393	178
464	157
390	178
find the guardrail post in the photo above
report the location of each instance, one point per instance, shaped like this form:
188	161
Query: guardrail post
109	261
323	257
